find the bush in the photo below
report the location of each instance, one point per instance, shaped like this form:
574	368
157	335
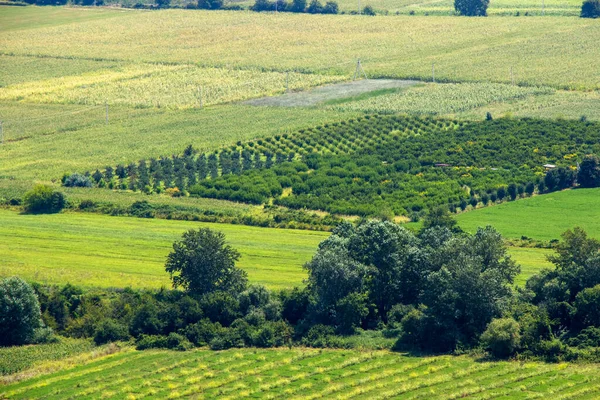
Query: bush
331	7
42	199
502	337
368	10
318	336
202	332
590	9
174	341
315	7
110	331
210	4
472	8
76	180
20	314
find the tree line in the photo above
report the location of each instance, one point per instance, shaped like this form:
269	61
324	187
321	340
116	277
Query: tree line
406	173
437	290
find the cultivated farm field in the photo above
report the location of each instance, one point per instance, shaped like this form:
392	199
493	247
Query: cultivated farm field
464	49
305	374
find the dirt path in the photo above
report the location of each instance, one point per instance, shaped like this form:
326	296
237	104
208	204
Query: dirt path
330	92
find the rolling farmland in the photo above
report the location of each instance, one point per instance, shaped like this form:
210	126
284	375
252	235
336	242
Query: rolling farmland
305	374
101	251
401	47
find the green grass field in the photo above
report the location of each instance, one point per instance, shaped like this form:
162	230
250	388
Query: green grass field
102	251
543	217
305	374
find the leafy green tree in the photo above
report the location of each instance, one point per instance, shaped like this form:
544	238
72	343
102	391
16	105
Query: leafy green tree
369	10
588	175
20	314
472	8
438	216
512	191
502	337
43	199
331	7
298	6
202	263
587	307
590	9
315	7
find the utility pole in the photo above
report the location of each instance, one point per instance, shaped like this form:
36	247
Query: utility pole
359	70
433	72
106	116
543	7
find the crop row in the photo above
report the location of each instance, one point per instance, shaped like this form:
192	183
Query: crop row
303	373
439	99
157	85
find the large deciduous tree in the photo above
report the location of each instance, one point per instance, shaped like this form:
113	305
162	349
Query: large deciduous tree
20	314
202	263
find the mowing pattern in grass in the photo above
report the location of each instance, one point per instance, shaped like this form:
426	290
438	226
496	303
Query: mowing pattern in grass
305	374
543	217
103	251
17	358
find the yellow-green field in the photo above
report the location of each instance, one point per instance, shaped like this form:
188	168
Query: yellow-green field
102	251
552	51
304	374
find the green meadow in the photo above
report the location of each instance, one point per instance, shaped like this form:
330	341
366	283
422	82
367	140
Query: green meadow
543	217
103	251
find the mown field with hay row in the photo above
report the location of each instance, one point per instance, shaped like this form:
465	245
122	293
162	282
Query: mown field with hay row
305	374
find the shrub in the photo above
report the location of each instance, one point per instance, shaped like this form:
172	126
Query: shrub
502	337
20	314
202	332
76	180
43	199
110	331
331	7
590	9
368	10
472	8
318	336
174	341
315	7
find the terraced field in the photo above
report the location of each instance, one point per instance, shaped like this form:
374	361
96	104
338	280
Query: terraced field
305	374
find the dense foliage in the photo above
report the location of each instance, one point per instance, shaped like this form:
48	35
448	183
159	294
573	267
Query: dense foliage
437	290
590	9
202	263
378	165
20	318
472	8
43	199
